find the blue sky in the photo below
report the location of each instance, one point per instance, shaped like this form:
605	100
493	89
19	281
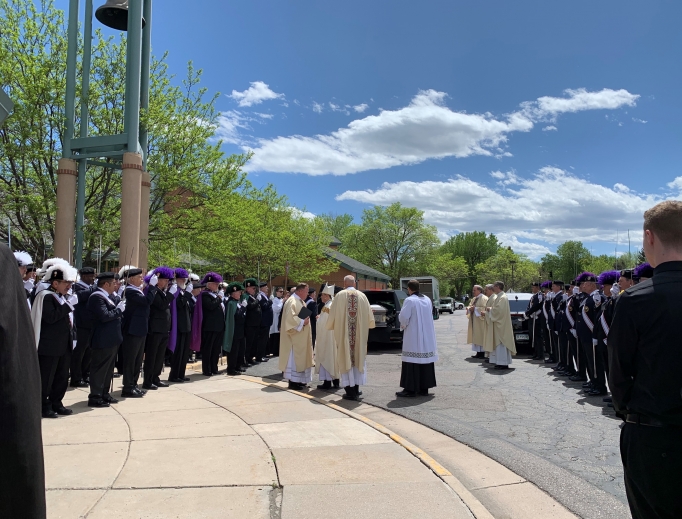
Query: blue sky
538	121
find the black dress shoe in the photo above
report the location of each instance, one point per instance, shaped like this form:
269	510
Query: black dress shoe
232	372
607	399
143	391
549	361
346	396
110	399
149	387
406	394
325	385
214	373
587	384
596	392
97	403
185	379
79	383
135	393
160	384
336	383
242	370
63	411
175	380
49	413
424	392
207	374
264	359
577	378
295	385
500	367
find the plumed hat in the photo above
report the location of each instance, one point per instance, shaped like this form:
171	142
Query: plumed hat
643	271
164	272
181	273
212	277
23	258
609	277
329	290
546	284
250	282
586	277
234	287
52	261
128	271
60	271
193	278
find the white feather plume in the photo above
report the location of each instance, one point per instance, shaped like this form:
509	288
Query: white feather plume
69	273
49	262
23	257
124	269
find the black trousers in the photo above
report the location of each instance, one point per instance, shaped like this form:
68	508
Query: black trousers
547	340
101	371
586	352
537	339
54	378
417	377
262	341
131	353
211	343
575	351
652	457
236	354
565	351
251	333
154	355
601	366
180	356
273	344
80	357
554	349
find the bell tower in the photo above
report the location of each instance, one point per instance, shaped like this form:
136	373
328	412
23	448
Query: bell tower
128	149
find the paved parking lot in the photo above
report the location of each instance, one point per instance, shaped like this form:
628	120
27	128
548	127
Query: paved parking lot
538	425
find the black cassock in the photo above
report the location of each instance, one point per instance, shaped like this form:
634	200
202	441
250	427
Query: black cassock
22	472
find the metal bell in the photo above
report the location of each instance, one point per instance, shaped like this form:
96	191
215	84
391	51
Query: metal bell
114	14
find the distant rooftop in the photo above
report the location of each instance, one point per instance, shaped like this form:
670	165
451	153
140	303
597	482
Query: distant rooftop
354	265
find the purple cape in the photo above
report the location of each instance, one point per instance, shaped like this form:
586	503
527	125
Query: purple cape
197	319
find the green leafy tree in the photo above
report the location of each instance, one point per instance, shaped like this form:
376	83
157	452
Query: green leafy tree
336	225
452	273
475	247
571	258
515	270
394	240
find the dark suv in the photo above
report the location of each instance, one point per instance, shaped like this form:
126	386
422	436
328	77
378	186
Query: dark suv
387	325
518	304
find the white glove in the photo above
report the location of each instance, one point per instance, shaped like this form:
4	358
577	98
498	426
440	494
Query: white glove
221	293
595	342
173	289
73	299
244	303
615	290
121	306
597	299
189	288
154	281
121	289
28	284
576	291
259	297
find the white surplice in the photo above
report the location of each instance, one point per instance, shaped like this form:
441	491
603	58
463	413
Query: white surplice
419	333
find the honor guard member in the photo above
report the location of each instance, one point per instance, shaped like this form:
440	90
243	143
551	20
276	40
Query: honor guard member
53	328
254	316
574	347
607	280
590	308
159	328
267	316
106	339
42	285
80	358
546	314
181	332
644	375
234	342
23	261
625	281
565	335
208	324
643	272
311	304
134	327
534	313
555	297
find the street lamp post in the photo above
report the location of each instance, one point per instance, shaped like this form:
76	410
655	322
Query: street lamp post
128	148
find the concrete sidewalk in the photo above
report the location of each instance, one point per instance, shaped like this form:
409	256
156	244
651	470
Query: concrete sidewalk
248	448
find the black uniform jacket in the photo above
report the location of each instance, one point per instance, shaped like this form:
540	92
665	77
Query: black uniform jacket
184	305
106	332
213	314
239	323
136	314
81	316
160	312
22	474
254	313
267	315
312	306
55	327
644	343
589	312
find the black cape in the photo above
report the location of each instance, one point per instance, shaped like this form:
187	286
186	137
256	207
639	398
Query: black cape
22	473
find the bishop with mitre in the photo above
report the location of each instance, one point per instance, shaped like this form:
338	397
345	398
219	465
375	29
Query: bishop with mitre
325	344
296	341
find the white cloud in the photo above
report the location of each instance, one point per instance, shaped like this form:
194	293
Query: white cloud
228	125
550	128
424	129
255	94
530	249
361	107
317	107
297	213
338	108
582	210
642	121
264	116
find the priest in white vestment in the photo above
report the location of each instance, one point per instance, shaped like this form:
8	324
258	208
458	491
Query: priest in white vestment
296	341
488	342
476	328
500	329
325	344
419	344
351	317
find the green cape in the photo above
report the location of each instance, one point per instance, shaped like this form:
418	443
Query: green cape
230	310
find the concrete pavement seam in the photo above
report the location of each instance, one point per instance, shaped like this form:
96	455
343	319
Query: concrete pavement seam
470	501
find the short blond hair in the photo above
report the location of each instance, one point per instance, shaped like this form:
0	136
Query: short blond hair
665	221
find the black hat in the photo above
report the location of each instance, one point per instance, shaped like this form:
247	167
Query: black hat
199	285
536	284
567	287
129	273
107	276
263	284
311	290
31	268
627	273
87	270
560	283
250	282
234	287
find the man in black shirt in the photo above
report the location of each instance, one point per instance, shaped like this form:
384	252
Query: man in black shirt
644	378
254	316
210	323
311	304
184	306
80	358
159	328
